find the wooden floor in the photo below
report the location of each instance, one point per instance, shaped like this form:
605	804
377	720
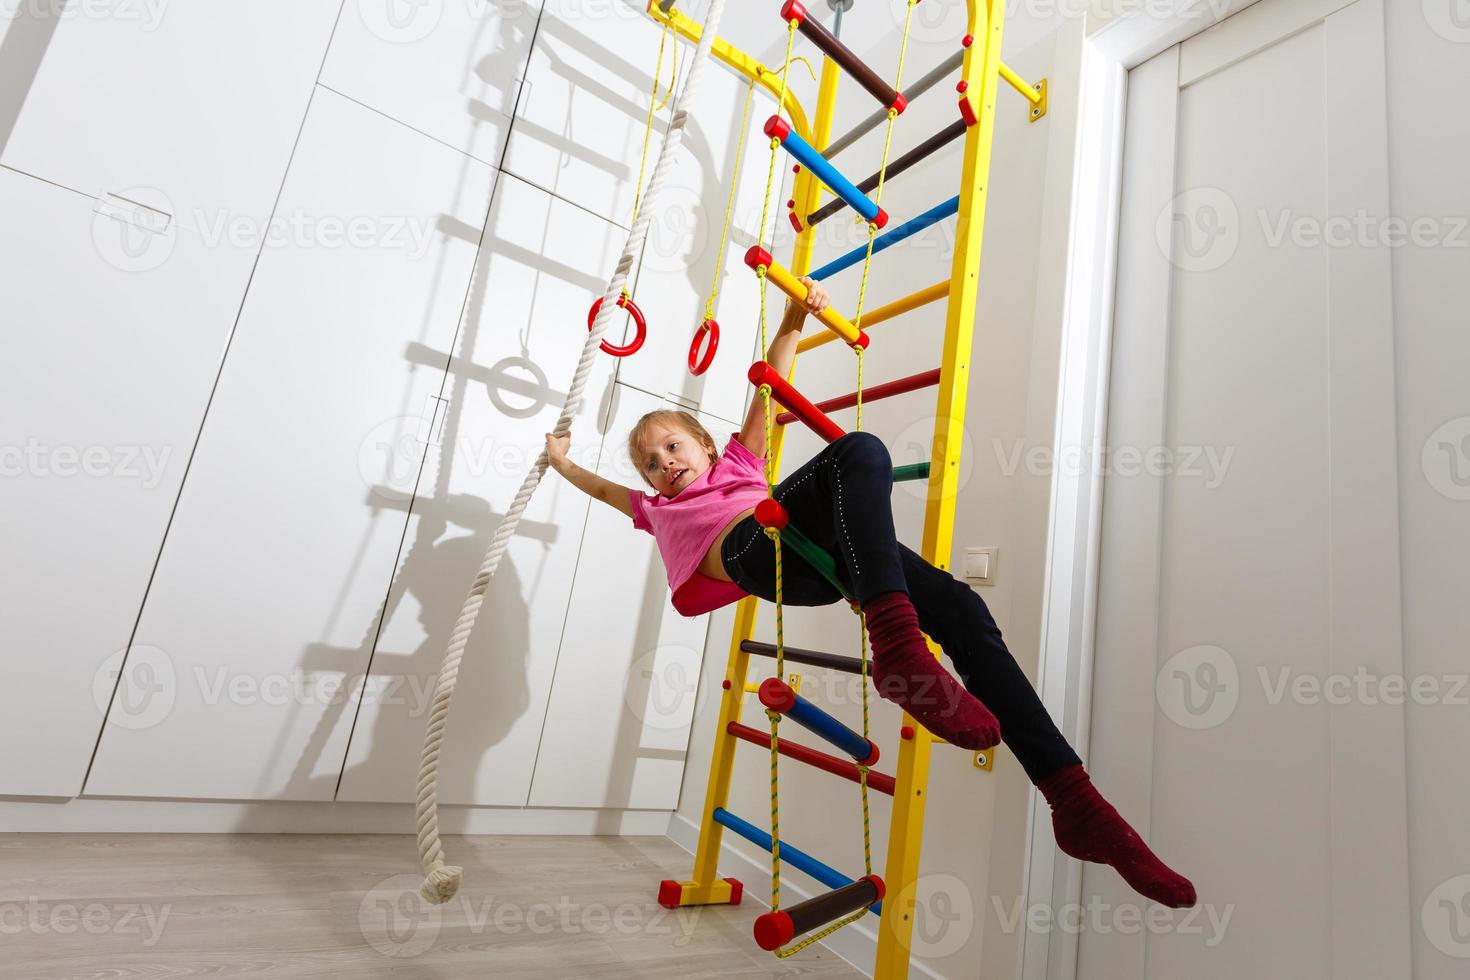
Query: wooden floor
267	906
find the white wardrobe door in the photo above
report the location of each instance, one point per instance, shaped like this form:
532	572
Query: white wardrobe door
628	672
113	337
1251	540
678	264
451	70
268	592
190	107
513	362
579	128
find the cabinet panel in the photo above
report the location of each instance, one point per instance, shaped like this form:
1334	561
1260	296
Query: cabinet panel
524	331
627	675
268	591
113	340
189	107
578	130
450	70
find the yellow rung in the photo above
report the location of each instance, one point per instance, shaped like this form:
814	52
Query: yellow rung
912	301
783	280
1020	84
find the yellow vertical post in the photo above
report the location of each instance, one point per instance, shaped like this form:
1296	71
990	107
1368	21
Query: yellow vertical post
981	73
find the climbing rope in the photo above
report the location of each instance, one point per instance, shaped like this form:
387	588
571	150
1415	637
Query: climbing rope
441	881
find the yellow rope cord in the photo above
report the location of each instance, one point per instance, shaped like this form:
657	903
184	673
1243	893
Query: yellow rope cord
653	106
775	535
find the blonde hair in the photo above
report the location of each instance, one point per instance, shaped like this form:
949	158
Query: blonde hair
683	421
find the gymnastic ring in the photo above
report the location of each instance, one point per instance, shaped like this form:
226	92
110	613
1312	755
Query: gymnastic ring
709	326
627	303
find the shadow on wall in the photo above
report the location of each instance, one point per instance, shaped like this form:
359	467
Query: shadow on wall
21	51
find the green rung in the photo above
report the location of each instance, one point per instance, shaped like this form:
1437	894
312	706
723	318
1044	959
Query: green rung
815	556
914	471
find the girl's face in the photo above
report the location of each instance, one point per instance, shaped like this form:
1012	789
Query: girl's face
672	459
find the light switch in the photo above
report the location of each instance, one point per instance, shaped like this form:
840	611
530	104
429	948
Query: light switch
980	565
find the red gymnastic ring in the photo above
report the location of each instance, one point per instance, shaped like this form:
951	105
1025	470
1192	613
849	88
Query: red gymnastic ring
709	326
626	302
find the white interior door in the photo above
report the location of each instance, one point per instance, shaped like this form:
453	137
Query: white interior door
1249	549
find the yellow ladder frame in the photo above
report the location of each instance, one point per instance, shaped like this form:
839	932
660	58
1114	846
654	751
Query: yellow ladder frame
982	71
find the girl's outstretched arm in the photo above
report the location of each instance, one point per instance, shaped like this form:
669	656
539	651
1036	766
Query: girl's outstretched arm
780	354
614	494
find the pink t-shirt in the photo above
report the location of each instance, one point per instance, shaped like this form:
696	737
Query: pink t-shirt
686	524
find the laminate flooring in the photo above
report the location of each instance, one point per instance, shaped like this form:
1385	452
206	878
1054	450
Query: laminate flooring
276	906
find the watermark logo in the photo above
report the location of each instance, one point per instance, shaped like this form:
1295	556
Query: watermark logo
943	914
1445	459
401	21
1198	687
145	683
396	920
662	688
1199	230
680	232
147	14
42	918
38	460
1207	464
132	236
389	456
1450	19
1445	917
1097	917
914	445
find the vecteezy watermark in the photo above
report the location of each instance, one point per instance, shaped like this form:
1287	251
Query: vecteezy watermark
391	454
141	691
1199	230
1450	19
662	689
135	689
1206	463
397	922
400	21
43	918
134	230
943	909
1445	917
1362	229
914	444
1445	459
147	14
38	460
1101	918
302	229
1198	687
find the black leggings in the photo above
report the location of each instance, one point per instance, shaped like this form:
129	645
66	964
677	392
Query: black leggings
841	500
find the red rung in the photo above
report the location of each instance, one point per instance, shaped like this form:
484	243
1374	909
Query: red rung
820	760
886	390
761	373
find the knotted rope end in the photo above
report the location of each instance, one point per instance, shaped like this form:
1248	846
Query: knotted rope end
441	884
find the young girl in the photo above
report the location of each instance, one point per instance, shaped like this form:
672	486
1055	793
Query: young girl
715	552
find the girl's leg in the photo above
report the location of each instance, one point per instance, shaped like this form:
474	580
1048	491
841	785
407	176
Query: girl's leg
841	500
956	618
1085	825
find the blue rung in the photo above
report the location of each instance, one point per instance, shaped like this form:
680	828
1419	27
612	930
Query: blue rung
807	155
911	227
791	855
817	721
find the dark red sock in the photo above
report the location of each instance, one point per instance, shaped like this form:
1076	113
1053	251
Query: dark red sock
1089	829
906	673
